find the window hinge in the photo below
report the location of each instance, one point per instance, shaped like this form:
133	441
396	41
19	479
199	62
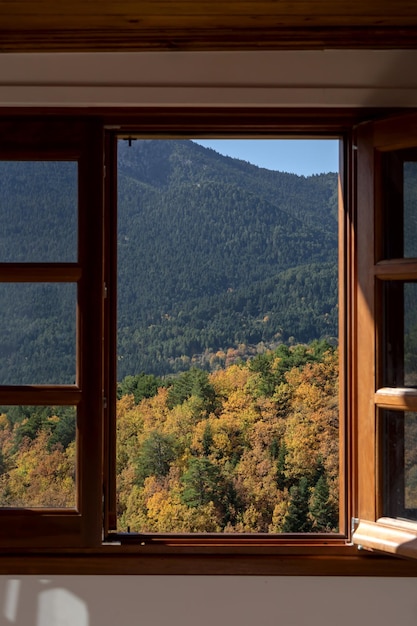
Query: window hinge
104	402
104	291
354	521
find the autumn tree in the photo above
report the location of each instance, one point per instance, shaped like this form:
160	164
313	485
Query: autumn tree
249	448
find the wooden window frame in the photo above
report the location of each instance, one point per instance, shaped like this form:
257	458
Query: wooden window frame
213	128
75	140
376	141
286	555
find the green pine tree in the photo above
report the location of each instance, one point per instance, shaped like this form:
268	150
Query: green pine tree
297	519
322	510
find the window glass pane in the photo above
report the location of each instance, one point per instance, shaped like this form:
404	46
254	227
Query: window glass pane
399	464
38	211
37	333
399	204
410	209
37	456
227	342
400	323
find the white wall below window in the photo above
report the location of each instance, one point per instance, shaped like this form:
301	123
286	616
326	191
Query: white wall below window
207	601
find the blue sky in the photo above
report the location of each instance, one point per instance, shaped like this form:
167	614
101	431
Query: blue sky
297	156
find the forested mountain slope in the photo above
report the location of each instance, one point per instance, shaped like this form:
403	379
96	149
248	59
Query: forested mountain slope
214	254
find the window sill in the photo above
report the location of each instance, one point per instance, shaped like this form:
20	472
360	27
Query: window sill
206	560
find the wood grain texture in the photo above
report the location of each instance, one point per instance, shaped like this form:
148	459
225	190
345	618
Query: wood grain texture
116	561
374	140
396	398
44	25
385	536
66	139
365	319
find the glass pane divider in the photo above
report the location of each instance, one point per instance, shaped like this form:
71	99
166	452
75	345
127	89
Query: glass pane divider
403	398
40	395
40	272
396	269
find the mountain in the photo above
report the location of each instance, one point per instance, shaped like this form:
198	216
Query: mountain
213	253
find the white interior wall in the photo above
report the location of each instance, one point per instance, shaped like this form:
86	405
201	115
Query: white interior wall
284	78
326	78
207	601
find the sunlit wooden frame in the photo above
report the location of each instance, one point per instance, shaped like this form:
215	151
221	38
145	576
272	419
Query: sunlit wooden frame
374	141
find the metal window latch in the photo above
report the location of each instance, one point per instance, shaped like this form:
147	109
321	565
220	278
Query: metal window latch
104	291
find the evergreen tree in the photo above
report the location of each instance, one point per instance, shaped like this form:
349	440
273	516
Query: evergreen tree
140	386
202	483
155	457
297	520
322	512
196	383
207	441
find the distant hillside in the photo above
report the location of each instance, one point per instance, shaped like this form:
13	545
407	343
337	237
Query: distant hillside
213	253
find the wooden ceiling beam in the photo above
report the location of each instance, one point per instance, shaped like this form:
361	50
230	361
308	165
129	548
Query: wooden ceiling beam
129	25
224	39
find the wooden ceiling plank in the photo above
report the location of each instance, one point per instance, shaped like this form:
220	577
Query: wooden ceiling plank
342	9
104	25
66	24
130	40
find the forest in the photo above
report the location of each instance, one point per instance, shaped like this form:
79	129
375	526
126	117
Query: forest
213	254
227	334
249	448
227	417
252	448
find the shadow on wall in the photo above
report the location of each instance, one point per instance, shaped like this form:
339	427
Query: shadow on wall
82	600
41	604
